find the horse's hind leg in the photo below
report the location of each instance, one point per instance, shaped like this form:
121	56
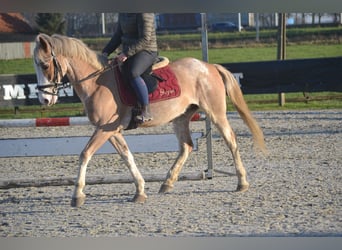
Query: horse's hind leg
121	146
229	137
181	128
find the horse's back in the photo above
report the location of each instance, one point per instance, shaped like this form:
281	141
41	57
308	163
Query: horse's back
194	67
202	75
186	61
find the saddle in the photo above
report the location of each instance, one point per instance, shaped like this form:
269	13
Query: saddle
151	79
161	82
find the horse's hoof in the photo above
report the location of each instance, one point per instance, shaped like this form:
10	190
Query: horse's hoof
165	188
242	188
139	198
77	201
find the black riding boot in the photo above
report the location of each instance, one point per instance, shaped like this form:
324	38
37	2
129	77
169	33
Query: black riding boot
145	115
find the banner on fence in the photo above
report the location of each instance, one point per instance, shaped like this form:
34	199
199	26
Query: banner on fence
22	90
302	75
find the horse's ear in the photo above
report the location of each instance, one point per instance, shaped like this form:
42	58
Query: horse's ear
44	43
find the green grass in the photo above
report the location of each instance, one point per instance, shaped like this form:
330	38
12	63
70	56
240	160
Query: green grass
232	55
17	66
223	55
38	111
294	101
291	33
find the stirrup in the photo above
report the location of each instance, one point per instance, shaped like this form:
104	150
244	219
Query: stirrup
143	119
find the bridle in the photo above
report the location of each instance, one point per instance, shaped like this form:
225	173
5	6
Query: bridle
57	85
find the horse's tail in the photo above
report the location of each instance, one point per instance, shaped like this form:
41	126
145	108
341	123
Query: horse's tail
234	92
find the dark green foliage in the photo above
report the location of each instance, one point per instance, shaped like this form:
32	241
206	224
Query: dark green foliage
51	23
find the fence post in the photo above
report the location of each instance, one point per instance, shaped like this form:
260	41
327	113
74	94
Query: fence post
281	52
209	171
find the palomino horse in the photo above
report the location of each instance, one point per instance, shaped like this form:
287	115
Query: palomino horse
203	86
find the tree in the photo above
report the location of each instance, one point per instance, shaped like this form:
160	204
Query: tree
51	23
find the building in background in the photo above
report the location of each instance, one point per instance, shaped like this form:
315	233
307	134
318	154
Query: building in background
14	27
179	21
92	25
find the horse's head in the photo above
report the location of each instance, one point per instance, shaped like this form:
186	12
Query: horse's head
50	69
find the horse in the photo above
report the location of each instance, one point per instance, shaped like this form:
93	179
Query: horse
203	87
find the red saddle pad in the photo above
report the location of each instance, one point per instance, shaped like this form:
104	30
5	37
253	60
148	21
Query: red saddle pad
165	90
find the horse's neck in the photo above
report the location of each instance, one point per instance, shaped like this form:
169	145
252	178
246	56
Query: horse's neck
78	73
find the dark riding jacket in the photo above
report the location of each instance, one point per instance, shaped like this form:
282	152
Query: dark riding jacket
136	32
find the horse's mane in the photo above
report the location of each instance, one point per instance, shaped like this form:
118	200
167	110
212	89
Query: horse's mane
72	47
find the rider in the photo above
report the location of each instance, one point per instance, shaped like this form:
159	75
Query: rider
136	33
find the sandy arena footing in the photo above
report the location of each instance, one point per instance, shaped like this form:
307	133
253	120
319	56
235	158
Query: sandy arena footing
295	191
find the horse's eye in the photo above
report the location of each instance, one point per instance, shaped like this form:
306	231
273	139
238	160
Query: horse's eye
44	66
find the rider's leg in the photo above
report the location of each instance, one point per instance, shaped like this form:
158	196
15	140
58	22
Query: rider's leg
135	66
141	91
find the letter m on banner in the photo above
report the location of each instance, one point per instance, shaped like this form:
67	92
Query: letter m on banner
14	91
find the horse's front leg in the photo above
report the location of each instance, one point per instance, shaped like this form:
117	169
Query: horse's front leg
119	143
95	142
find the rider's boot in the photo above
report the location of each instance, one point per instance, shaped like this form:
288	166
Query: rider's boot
145	115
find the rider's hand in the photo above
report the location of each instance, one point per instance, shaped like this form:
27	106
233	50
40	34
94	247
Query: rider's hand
121	57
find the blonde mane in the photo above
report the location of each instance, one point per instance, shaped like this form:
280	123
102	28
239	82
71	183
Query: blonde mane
72	47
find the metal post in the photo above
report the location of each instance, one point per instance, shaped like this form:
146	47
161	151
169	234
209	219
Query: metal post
103	24
205	57
281	52
257	27
276	21
239	22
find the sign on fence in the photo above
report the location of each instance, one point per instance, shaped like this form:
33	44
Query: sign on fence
21	90
301	75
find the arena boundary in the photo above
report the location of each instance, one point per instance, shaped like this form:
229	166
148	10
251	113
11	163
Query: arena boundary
18	148
93	180
73	145
61	121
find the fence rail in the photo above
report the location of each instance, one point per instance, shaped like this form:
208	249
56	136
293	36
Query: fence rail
16	50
